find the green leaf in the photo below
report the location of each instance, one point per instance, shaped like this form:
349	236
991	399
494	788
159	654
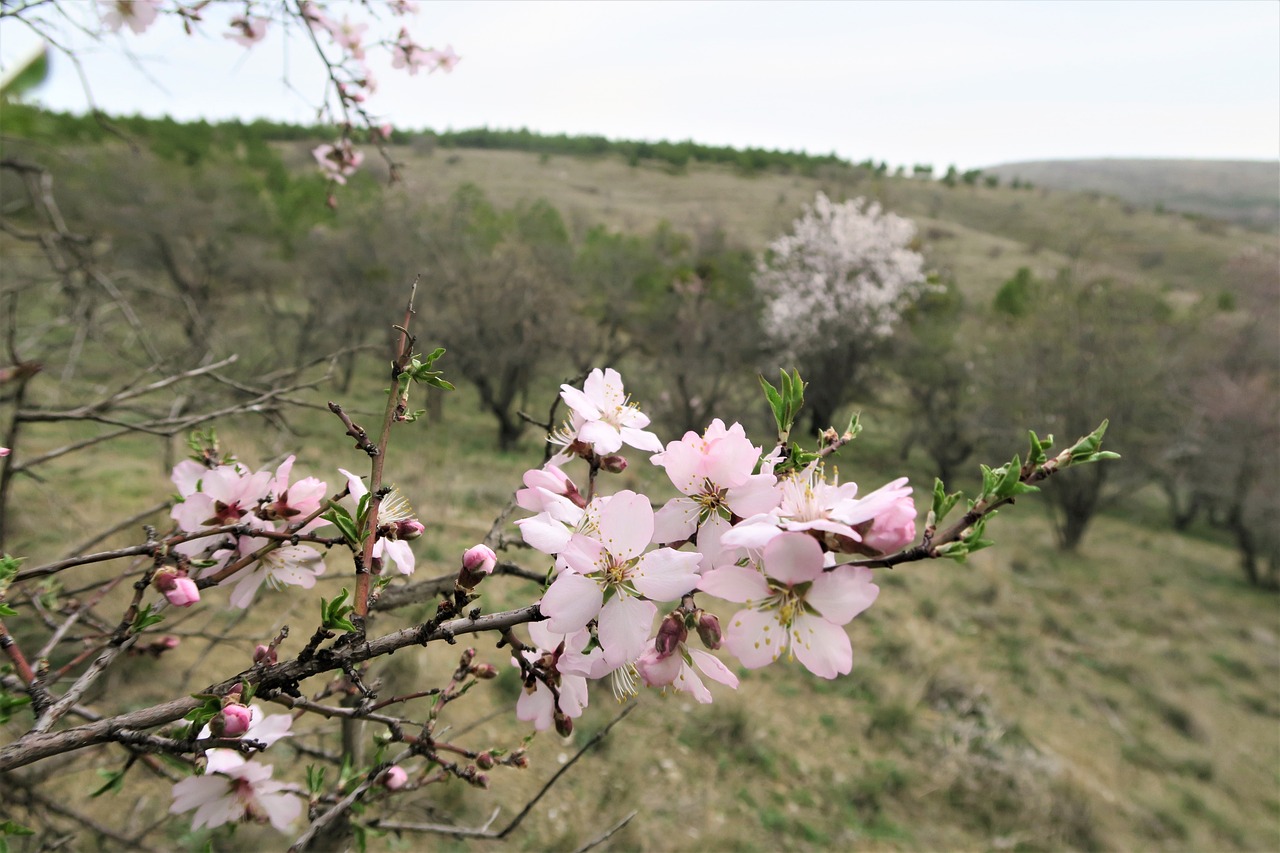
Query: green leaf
8	827
942	502
6	610
145	619
114	782
341	519
315	780
333	614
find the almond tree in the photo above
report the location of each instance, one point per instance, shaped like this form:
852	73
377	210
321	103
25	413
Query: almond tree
834	290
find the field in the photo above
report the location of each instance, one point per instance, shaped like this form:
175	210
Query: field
1121	697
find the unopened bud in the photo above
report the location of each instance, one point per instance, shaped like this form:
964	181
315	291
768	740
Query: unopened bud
178	589
395	778
671	633
468	655
519	760
484	760
480	780
410	528
614	463
168	642
232	721
264	654
709	630
484	671
564	725
477	561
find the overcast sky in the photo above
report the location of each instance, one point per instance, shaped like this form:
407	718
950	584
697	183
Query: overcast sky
953	82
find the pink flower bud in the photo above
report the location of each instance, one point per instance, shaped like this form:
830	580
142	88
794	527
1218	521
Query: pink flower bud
484	761
168	642
180	590
614	463
410	528
395	778
894	528
232	722
709	630
477	561
519	760
4	451
671	633
264	654
484	671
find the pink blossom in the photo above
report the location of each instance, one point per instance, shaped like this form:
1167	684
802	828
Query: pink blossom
247	30
136	14
287	565
4	451
608	577
479	559
302	498
264	728
444	60
243	790
605	418
714	471
563	656
348	35
676	670
338	161
394	513
395	778
408	55
314	16
791	602
226	495
894	527
403	7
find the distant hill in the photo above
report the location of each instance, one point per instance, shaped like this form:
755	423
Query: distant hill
1246	192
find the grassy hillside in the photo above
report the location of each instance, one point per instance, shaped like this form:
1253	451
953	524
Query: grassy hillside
1245	192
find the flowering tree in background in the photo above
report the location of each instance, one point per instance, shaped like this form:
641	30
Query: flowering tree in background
834	289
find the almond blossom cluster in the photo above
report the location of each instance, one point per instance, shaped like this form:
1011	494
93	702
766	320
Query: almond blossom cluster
262	506
778	545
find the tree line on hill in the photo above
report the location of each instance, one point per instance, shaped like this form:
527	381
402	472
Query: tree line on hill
191	229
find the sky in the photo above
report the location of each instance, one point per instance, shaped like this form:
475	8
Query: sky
965	83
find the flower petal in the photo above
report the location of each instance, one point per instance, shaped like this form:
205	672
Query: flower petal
626	525
665	575
571	602
739	584
793	558
842	593
821	646
624	627
755	637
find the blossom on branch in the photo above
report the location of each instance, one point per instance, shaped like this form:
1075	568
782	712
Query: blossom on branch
137	15
793	603
240	790
603	418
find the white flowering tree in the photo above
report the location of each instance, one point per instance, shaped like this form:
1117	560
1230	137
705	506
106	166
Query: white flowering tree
834	289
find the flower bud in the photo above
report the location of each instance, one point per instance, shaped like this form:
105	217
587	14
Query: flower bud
671	633
484	760
484	671
519	760
613	463
410	528
564	725
709	630
264	654
468	655
395	778
178	589
480	780
477	561
232	721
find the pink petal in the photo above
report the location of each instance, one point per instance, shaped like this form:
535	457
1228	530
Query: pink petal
842	593
602	437
740	584
755	637
579	402
712	667
752	533
536	707
793	558
675	522
822	647
571	602
758	494
640	439
687	681
731	459
544	533
658	672
584	555
665	575
626	525
683	464
624	628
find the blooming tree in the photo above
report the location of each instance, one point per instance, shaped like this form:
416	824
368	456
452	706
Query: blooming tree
834	289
